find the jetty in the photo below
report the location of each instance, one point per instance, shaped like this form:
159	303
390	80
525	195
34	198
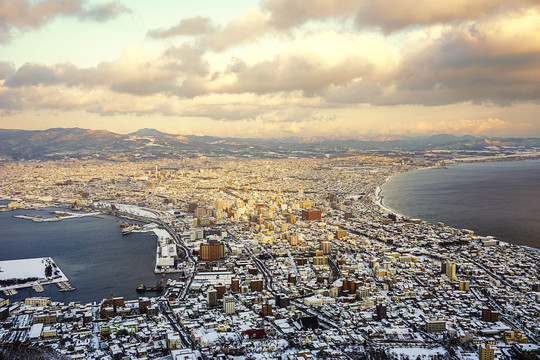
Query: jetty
65	286
9	292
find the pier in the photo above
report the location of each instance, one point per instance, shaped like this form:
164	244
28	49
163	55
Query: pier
65	286
38	288
9	292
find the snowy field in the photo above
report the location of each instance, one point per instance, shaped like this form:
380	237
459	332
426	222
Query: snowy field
417	353
29	268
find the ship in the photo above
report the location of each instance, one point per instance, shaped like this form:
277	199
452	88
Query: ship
159	286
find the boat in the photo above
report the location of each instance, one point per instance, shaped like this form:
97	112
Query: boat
159	286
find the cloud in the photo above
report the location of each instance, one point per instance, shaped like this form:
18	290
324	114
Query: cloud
289	13
186	59
17	16
289	73
249	26
134	73
479	127
390	15
192	26
6	69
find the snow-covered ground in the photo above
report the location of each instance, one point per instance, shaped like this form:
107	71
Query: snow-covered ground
417	352
135	210
29	268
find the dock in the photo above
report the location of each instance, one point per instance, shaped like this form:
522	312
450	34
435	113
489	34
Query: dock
9	292
38	288
65	286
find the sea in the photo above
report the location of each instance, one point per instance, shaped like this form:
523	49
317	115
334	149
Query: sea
91	252
501	199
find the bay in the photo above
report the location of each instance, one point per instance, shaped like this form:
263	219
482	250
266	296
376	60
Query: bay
501	199
91	252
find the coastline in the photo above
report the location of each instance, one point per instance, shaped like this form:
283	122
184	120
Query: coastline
384	208
379	199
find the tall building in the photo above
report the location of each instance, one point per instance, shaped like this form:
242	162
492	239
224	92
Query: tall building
229	305
487	353
256	285
211	297
464	285
325	247
488	315
235	285
380	310
449	268
212	251
266	309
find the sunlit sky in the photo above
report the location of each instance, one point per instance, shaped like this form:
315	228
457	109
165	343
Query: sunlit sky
272	68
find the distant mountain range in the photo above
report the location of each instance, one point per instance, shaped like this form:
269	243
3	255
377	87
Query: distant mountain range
150	143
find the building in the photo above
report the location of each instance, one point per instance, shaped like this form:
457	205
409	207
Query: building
235	285
256	285
229	304
433	326
212	251
325	247
449	268
310	214
464	285
266	309
211	297
488	315
37	301
487	353
380	310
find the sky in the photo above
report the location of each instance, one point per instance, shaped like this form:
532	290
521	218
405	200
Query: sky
272	68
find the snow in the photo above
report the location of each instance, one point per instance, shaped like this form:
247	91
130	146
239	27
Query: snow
26	268
135	210
415	352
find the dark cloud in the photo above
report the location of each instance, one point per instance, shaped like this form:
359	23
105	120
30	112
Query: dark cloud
464	65
21	15
186	59
193	26
390	15
33	74
7	69
289	73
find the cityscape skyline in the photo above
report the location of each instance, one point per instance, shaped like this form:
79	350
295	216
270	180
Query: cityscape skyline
272	68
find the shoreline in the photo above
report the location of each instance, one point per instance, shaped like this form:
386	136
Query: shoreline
379	199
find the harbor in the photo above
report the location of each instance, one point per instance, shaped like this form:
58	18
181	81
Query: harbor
59	215
84	249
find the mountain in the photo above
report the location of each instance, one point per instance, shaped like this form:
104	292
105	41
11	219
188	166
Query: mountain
58	143
150	132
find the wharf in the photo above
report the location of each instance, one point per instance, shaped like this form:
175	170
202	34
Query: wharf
38	288
10	292
65	286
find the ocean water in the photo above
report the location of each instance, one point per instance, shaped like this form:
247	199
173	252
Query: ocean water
91	252
501	199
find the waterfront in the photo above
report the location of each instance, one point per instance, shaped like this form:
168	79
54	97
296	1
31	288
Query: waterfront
496	198
91	252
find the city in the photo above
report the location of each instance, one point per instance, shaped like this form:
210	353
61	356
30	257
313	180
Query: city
288	258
